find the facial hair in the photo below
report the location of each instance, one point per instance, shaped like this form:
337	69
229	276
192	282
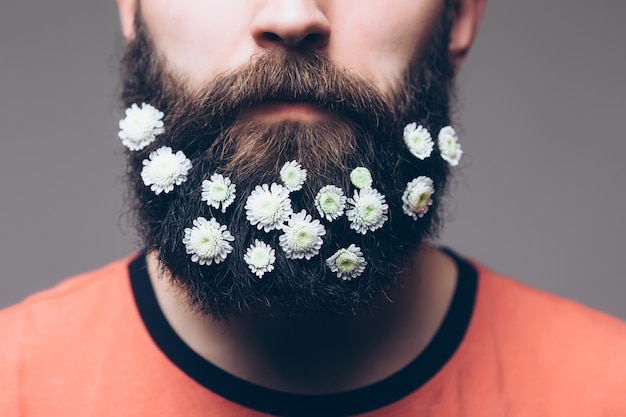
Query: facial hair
363	128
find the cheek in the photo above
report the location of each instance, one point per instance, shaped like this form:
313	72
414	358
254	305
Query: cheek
380	46
199	39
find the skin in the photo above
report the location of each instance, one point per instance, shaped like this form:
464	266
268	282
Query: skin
375	38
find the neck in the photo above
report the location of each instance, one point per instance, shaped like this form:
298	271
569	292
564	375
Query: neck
321	355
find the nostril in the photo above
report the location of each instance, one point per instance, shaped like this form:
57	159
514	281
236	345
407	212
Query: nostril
270	36
314	39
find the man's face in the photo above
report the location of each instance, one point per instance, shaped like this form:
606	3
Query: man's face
247	89
377	39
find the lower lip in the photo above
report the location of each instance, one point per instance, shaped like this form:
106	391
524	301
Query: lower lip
287	110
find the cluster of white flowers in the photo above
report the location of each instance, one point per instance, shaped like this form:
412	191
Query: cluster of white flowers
163	169
269	207
420	143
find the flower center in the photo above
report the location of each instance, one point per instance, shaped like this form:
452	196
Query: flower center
268	209
346	262
370	213
259	258
219	191
303	239
292	178
208	243
329	203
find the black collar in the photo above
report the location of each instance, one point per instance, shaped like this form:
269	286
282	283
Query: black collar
362	400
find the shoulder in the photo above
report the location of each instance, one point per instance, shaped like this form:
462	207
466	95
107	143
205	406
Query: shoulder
59	312
529	309
42	333
72	294
546	343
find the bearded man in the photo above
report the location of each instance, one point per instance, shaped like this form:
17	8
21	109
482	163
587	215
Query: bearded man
287	161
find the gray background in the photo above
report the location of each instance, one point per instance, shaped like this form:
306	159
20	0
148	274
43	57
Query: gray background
540	196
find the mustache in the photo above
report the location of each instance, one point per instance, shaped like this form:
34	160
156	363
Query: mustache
282	76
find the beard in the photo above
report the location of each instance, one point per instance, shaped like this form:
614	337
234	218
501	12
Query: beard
363	129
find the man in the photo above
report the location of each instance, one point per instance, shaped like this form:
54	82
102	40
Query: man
287	160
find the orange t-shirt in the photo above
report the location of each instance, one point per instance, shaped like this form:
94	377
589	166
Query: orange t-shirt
96	346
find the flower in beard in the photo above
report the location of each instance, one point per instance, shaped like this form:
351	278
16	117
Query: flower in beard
418	140
260	258
141	126
368	210
302	236
347	263
361	177
417	197
330	202
207	241
164	169
218	192
449	146
268	207
292	175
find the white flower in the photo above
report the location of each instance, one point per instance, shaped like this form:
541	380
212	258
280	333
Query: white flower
268	207
449	146
260	258
361	177
302	236
292	175
164	169
207	241
417	197
368	210
330	202
140	126
218	191
418	140
347	263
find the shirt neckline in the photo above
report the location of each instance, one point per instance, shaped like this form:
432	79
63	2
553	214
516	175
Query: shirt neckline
371	397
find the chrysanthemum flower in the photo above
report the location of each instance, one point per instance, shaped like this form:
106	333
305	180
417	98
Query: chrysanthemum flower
302	236
417	197
141	126
207	241
361	177
260	258
418	140
164	169
292	175
347	263
368	210
449	146
268	207
330	202
218	191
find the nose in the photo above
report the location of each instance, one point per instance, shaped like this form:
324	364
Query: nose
291	24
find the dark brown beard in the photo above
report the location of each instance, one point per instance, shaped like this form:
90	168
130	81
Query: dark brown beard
210	127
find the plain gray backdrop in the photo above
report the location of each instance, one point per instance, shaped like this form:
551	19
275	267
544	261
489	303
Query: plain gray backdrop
540	195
